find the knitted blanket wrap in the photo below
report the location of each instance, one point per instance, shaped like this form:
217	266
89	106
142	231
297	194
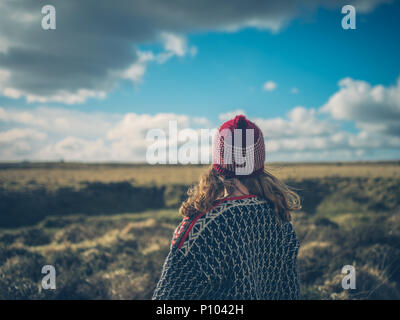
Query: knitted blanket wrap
236	250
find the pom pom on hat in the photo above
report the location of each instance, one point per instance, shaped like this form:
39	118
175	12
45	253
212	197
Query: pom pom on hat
240	122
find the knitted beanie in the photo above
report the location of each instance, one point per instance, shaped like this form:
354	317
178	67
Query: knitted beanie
238	148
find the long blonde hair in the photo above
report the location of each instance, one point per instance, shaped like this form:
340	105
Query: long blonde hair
211	187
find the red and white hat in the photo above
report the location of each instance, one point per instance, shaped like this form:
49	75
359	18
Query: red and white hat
238	148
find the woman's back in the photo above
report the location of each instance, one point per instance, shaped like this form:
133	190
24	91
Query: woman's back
236	250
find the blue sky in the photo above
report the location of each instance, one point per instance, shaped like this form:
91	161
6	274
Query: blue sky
221	71
230	68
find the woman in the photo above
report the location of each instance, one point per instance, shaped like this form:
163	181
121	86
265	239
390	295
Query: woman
235	240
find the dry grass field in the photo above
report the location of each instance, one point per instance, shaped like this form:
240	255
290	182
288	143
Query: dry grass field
54	175
107	228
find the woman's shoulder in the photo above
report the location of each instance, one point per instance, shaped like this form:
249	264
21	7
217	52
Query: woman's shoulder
192	227
246	203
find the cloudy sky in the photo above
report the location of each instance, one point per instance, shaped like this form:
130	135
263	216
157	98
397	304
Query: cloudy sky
92	89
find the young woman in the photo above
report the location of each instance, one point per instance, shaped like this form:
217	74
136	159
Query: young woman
235	240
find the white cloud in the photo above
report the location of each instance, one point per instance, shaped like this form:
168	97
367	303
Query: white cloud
294	90
137	70
299	122
12	135
304	134
64	97
20	143
375	110
74	149
60	121
58	133
202	121
60	96
372	108
133	126
174	45
269	86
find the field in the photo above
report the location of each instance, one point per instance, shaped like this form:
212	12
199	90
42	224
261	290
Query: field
106	228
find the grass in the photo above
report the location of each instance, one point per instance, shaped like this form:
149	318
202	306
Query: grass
350	216
55	175
98	257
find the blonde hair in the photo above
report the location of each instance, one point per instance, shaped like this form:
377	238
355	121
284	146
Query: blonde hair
211	187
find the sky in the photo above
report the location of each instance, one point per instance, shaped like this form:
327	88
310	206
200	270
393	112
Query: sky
93	88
